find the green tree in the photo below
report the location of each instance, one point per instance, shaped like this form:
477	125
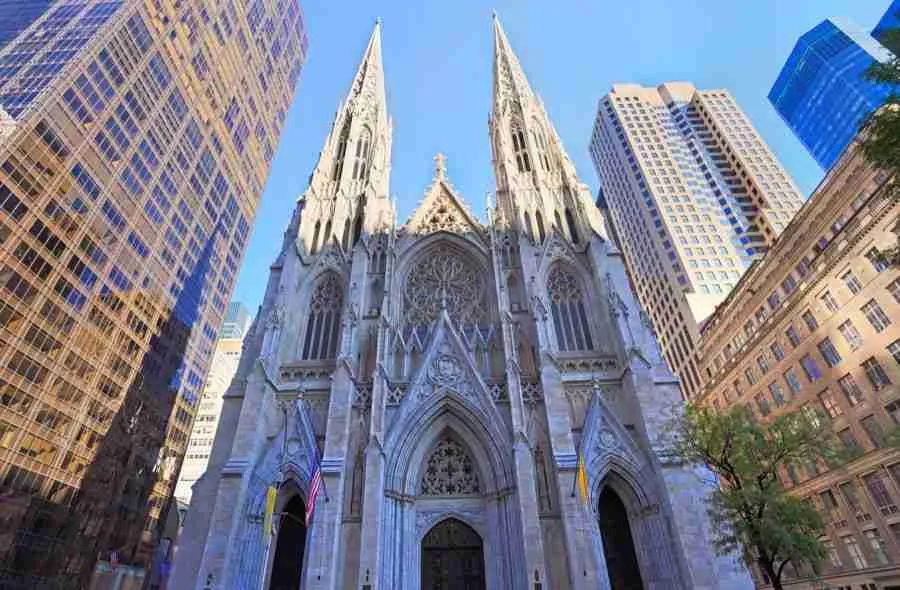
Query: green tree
750	508
881	132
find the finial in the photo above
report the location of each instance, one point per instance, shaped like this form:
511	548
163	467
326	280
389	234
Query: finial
440	166
377	20
494	13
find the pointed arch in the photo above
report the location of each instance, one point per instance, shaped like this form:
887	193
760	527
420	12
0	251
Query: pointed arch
618	542
528	231
323	324
358	225
315	239
542	233
569	310
326	237
340	152
361	156
560	229
287	569
520	148
540	143
573	229
345	236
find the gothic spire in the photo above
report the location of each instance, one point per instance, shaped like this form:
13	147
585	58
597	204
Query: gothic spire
348	190
510	82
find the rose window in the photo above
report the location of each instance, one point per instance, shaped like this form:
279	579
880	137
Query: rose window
444	278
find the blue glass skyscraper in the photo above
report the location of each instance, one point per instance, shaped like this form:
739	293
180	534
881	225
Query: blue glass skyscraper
17	15
821	92
889	20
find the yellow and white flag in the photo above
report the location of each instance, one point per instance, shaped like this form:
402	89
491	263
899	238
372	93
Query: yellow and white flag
271	496
581	479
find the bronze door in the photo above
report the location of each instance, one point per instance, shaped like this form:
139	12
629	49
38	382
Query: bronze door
452	558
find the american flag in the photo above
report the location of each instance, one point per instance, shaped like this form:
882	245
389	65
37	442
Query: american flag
315	484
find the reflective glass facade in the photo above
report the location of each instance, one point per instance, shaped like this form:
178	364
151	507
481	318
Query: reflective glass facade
135	140
820	92
16	15
890	20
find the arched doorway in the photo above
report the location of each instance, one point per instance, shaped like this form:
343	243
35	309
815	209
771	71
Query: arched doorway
290	545
618	545
452	557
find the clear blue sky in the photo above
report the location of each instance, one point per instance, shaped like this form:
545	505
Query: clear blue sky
438	56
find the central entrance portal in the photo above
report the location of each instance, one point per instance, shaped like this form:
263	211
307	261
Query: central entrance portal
452	557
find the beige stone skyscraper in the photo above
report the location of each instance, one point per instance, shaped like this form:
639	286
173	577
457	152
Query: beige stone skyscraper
694	196
135	139
221	371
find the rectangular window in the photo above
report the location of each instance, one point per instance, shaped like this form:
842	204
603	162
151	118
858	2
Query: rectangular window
829	301
810	320
777	393
878	260
829	352
790	376
777	351
894	289
876	315
876	374
792	336
750	375
873	430
810	368
849	441
879	493
878	548
894	349
762	403
763	364
851	282
893	410
850	389
829	404
851	335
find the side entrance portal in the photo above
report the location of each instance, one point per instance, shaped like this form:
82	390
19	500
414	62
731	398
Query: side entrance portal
452	557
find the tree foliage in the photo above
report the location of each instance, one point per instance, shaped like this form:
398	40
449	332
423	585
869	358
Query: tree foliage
881	131
751	508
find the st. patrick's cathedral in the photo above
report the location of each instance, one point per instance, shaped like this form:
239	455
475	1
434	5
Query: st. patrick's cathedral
446	375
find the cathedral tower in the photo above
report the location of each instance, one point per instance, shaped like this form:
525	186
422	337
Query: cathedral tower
446	375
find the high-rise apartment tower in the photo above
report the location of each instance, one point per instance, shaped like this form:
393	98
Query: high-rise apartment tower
135	142
694	195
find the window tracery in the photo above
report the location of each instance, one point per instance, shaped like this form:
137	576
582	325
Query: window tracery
450	471
323	327
361	162
537	135
443	277
520	149
568	310
341	151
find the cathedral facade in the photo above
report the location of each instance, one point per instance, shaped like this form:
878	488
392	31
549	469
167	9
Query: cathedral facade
447	375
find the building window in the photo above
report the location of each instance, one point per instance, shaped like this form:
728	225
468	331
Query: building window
340	152
894	289
810	320
520	150
792	336
878	260
537	135
879	493
849	441
763	364
810	368
750	375
851	335
893	410
876	374
568	310
876	315
834	558
851	282
851	390
829	352
829	404
859	560
777	393
790	376
762	403
323	326
873	430
894	349
829	301
361	161
777	351
878	547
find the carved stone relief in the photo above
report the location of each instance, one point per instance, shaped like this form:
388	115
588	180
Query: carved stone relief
449	471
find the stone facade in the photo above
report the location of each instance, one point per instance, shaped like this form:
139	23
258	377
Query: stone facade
814	327
449	373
